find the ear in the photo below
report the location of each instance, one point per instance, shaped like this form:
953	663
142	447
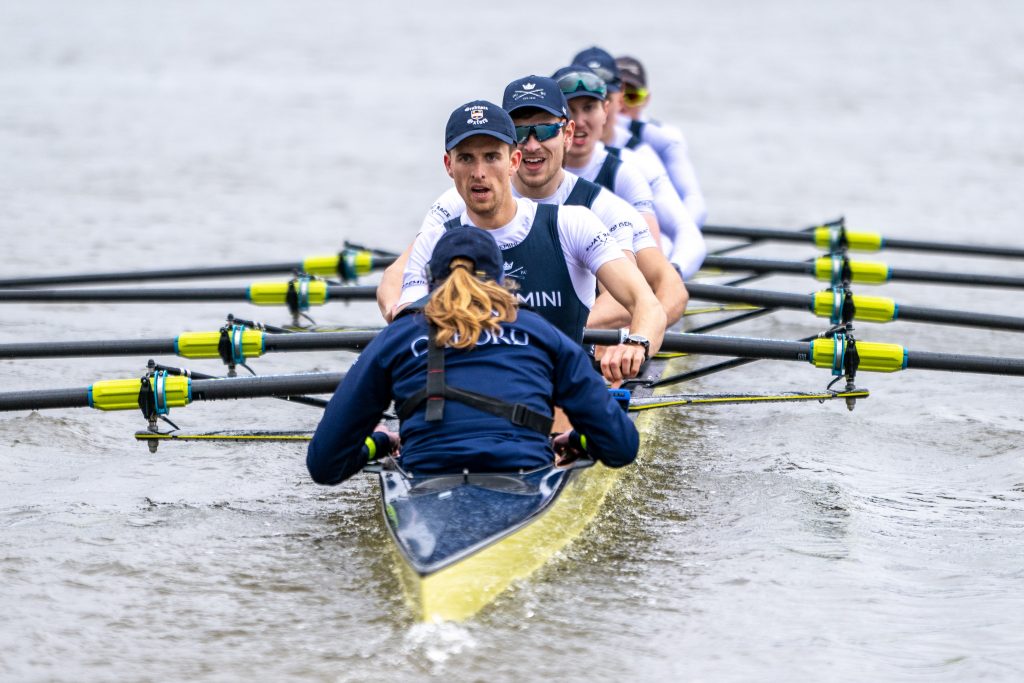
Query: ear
448	164
569	130
514	160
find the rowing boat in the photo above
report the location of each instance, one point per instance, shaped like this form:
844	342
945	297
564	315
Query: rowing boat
463	539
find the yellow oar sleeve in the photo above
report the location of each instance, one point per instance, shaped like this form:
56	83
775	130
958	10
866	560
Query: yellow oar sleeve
855	241
863	272
275	293
324	265
874	357
876	309
206	344
353	263
123	394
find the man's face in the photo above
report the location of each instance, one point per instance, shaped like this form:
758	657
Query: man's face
542	161
482	167
590	115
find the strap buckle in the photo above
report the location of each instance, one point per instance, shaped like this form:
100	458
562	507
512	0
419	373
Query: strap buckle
519	415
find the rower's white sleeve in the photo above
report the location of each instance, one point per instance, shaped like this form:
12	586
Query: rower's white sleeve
448	206
586	243
688	248
414	278
631	185
621	219
671	146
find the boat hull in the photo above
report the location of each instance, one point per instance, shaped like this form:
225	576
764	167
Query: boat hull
462	540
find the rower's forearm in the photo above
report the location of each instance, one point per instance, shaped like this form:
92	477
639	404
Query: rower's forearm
648	319
672	295
607	313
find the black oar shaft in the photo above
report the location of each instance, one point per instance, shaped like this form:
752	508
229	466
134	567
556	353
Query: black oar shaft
265	386
379	261
804	302
319	341
42	399
229	294
164	274
953	362
807	237
947	248
895	274
743	347
72	349
202	390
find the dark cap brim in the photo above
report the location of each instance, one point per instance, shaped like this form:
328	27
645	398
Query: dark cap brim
452	144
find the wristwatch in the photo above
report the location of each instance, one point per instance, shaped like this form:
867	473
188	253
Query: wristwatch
640	340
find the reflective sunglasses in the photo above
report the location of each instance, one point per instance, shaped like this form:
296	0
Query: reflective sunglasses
635	96
541	131
575	81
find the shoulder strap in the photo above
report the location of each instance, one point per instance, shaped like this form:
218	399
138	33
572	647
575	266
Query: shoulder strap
436	391
583	194
453	223
435	378
636	127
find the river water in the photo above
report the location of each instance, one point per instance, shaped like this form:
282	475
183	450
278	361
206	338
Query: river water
772	542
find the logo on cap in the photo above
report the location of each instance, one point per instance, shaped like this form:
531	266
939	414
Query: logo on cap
594	64
529	91
476	115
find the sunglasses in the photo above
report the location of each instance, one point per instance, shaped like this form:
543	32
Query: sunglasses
635	96
575	81
541	131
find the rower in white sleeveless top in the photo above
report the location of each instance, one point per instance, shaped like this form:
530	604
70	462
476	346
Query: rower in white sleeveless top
556	253
635	128
621	173
544	132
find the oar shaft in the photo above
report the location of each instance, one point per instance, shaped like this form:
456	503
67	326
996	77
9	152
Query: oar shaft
953	362
808	237
894	274
201	390
742	347
760	297
949	248
164	274
265	386
42	399
319	341
72	349
180	294
375	262
965	279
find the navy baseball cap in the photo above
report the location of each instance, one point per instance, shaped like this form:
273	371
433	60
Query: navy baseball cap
478	117
580	81
535	91
601	63
466	241
631	71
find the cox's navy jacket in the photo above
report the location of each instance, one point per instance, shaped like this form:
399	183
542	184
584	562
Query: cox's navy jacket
530	362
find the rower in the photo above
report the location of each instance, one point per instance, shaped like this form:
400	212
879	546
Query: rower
626	175
544	133
470	334
557	254
630	132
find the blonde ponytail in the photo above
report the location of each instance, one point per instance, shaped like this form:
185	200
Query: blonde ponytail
463	307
